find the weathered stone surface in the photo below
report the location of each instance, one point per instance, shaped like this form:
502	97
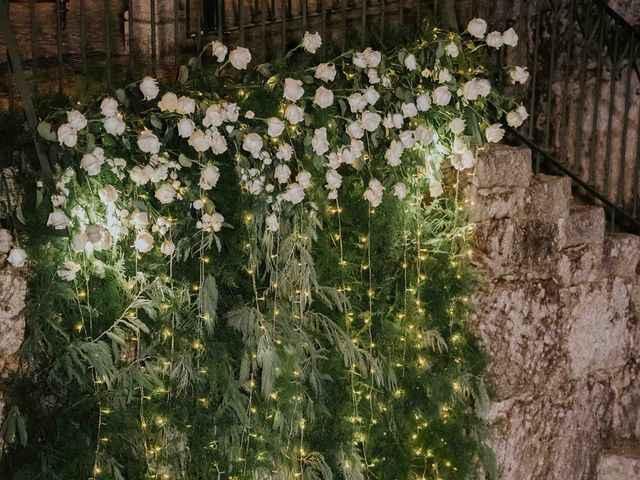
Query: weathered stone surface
585	224
620	462
621	254
580	264
503	166
493	203
513	246
547	197
13	290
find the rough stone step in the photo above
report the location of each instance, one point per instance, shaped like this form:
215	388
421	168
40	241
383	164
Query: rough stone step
584	225
621	254
502	166
548	197
620	462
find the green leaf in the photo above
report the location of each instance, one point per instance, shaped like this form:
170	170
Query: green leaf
183	75
45	130
185	161
156	122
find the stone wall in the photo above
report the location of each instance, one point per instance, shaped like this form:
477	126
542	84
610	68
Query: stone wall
556	316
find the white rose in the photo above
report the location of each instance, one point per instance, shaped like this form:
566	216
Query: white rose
108	194
68	273
494	39
372	75
76	120
476	87
464	160
457	125
67	135
209	177
252	143
373	194
58	220
219	50
140	175
293	90
323	97
285	151
282	173
359	61
94	234
304	178
231	112
294	193
371	57
149	88
311	42
250	114
517	117
148	142
444	76
143	242
477	27
186	127
370	121
272	223
410	62
409	110
78	242
294	114
519	75
357	102
186	105
218	143
441	96
198	204
165	193
371	95
394	153
333	178
435	189
109	107
17	257
407	138
114	125
169	102
140	220
355	130
494	133
58	200
319	142
400	190
240	58
200	141
214	116
167	248
452	50
6	240
275	127
510	37
423	102
325	72
92	162
394	121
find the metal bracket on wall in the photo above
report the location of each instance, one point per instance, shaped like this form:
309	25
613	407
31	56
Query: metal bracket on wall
20	79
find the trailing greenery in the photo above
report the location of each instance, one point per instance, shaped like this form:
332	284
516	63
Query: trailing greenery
195	313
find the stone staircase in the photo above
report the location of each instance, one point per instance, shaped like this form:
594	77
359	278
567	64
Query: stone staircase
556	316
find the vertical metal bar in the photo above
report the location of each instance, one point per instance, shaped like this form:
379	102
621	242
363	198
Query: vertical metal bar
198	25
263	28
107	41
625	123
552	58
59	45
34	45
534	79
418	12
323	26
343	37
176	36
221	19
241	13
564	112
612	93
596	101
83	38
283	9
401	12
304	15
636	166
363	24
130	35
382	12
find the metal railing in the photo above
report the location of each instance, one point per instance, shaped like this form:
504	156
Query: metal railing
583	95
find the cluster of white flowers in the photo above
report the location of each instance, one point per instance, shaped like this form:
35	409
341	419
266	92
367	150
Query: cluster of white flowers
374	125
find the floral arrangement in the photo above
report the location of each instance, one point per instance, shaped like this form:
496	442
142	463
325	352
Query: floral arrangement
249	280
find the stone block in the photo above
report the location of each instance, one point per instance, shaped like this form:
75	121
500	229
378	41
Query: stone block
599	337
13	290
525	248
519	327
621	254
493	203
585	224
620	462
502	166
580	264
548	197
